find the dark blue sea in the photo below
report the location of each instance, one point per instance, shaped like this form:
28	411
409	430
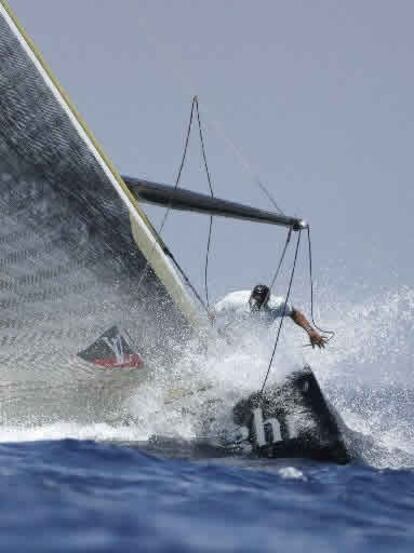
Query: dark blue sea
74	495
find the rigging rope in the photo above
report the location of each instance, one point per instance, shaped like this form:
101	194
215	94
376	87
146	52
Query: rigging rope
243	161
183	78
187	85
283	313
187	280
182	163
331	333
203	149
205	305
312	295
166	214
289	234
269	196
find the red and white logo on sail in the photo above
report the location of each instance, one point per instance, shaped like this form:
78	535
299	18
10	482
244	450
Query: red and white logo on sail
113	351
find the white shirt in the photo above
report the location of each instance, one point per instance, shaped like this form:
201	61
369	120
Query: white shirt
235	307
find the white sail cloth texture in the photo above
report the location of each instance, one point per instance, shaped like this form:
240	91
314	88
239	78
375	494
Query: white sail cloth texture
69	264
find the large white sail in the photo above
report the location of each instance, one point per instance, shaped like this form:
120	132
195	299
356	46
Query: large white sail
74	243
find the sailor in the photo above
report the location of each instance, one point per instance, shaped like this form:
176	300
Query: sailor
262	307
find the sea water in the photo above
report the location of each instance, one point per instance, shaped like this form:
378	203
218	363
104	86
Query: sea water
108	485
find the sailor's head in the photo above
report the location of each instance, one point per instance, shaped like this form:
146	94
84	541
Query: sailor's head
259	297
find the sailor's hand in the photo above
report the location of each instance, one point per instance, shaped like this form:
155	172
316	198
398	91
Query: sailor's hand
317	339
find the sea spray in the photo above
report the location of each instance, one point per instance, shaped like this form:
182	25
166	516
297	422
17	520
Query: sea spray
366	373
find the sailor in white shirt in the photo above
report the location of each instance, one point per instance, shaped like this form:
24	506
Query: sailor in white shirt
261	307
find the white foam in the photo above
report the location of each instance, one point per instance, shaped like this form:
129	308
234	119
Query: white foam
291	473
373	348
66	430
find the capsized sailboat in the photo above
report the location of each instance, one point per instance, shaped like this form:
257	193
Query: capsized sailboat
86	283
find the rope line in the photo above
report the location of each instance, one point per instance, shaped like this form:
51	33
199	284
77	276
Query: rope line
206	261
243	161
331	333
289	234
206	304
167	212
283	313
269	196
187	280
185	81
210	229
182	163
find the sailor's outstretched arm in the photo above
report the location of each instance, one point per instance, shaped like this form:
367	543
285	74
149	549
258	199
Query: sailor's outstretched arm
315	338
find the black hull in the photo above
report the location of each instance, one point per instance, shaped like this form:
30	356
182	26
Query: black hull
292	420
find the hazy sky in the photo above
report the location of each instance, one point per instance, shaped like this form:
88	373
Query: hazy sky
317	95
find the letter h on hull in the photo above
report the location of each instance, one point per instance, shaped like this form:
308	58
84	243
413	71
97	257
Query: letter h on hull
263	427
